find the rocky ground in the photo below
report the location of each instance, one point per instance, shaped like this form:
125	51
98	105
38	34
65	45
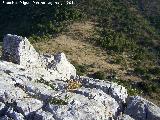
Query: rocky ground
46	87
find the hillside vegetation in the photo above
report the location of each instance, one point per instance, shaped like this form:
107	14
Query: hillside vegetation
150	9
127	34
36	20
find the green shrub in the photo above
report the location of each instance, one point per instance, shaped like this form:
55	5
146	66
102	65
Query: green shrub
140	70
154	71
46	83
57	101
118	60
37	20
131	89
80	69
99	75
148	87
147	77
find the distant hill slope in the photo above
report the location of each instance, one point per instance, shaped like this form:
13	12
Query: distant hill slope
150	9
45	19
34	19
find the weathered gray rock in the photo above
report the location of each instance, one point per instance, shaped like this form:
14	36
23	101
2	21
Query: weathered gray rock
4	118
82	108
28	105
63	67
142	109
30	97
41	115
125	117
14	115
18	50
118	92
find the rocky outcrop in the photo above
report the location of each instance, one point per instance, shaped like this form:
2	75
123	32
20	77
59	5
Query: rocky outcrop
38	90
18	50
142	109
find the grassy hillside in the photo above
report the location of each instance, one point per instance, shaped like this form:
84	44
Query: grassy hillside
36	20
130	38
150	9
122	29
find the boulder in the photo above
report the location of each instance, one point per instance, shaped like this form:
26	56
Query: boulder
62	66
18	50
142	109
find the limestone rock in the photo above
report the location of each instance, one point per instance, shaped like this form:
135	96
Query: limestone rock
63	67
126	117
14	115
118	92
28	98
41	115
142	109
18	50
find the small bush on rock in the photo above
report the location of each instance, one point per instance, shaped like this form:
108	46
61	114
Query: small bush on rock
73	85
140	70
57	101
99	75
81	69
46	83
132	90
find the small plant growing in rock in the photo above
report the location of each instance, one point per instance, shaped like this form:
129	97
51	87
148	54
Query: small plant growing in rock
73	85
46	83
81	69
132	90
99	75
57	101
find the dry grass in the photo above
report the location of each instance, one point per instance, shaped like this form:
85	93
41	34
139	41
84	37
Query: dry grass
77	49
